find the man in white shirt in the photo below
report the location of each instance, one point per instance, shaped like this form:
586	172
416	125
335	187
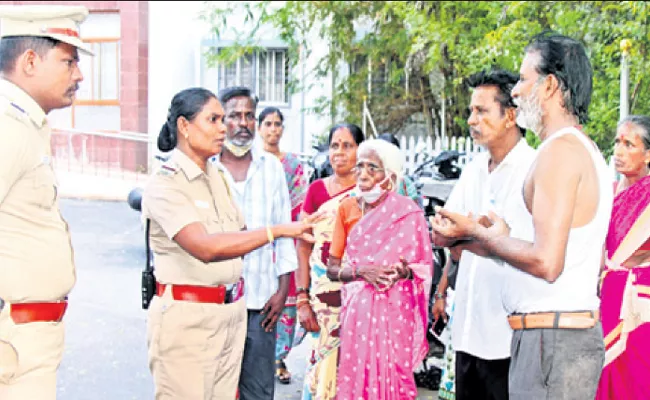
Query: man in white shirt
260	190
480	332
553	239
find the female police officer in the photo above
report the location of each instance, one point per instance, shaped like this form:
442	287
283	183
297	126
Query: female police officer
197	320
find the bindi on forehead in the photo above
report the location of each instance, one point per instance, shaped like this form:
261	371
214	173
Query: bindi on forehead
343	136
629	131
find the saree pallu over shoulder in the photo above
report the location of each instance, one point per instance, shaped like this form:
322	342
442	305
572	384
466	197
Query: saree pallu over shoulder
625	299
296	182
629	227
326	302
383	332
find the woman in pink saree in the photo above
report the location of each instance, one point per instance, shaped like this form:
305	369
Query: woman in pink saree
625	290
381	250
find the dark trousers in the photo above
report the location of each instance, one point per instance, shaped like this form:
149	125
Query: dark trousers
257	380
478	379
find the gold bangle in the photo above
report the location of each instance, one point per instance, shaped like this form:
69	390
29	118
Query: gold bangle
269	234
300	301
339	275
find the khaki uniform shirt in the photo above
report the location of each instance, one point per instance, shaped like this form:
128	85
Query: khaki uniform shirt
180	193
36	260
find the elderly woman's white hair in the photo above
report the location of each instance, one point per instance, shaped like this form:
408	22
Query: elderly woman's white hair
390	155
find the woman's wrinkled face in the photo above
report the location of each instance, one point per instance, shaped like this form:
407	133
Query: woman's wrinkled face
271	129
369	170
206	133
343	151
631	158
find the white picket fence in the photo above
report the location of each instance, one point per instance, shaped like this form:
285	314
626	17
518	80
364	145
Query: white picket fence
417	148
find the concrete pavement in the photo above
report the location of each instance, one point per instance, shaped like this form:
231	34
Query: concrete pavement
106	351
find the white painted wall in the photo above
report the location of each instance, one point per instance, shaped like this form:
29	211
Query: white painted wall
175	36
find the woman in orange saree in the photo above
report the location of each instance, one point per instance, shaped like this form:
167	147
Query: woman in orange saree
625	284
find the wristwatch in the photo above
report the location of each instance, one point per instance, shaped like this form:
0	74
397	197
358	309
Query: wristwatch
439	296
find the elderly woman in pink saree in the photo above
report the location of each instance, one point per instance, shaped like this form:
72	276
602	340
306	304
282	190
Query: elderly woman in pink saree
625	291
381	249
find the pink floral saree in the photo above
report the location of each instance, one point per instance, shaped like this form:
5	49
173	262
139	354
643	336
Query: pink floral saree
625	299
383	333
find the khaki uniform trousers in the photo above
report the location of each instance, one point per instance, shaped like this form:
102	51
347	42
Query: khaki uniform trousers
30	355
195	349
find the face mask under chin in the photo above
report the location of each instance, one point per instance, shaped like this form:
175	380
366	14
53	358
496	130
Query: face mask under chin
237	150
371	196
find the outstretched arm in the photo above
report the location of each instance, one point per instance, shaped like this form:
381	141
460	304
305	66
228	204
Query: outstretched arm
555	184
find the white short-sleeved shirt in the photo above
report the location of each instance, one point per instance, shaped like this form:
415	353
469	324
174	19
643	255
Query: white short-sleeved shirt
480	324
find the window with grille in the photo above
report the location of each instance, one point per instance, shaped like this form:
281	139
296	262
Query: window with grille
265	72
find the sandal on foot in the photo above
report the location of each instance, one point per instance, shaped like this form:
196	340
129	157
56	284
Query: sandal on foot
282	373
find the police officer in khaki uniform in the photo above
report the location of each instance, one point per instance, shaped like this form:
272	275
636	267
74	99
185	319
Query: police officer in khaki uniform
38	73
197	320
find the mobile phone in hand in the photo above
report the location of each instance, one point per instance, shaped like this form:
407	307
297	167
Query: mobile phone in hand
439	326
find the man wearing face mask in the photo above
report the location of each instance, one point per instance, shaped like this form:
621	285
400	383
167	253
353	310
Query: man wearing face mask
552	240
260	191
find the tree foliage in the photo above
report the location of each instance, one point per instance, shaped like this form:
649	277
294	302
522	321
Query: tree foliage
421	52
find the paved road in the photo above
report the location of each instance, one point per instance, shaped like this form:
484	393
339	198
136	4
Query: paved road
106	354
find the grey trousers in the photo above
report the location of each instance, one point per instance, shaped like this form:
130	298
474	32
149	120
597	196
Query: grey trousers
257	380
556	364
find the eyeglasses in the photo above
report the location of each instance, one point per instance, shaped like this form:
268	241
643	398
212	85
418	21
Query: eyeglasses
371	168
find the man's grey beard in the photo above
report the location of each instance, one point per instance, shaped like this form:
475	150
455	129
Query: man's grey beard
237	141
529	111
242	143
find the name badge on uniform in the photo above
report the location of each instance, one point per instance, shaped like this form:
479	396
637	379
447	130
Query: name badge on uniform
202	204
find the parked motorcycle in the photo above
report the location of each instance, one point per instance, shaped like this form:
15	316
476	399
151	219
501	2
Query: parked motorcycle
320	163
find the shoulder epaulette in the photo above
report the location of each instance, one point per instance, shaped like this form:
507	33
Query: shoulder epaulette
12	110
169	168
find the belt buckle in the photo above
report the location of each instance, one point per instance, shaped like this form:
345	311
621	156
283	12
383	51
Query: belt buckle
228	298
232	294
